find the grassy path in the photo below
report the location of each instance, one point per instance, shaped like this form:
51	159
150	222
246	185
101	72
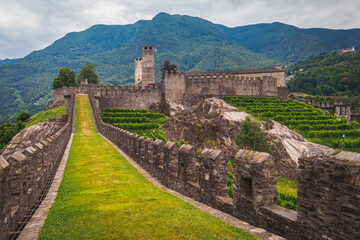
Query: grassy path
102	196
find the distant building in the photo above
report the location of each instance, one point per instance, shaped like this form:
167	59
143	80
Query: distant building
345	50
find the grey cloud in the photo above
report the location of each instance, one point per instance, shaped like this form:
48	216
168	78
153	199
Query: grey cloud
31	25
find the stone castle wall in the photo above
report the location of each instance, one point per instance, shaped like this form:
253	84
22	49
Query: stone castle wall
203	177
138	97
329	195
232	85
342	108
178	87
251	82
25	174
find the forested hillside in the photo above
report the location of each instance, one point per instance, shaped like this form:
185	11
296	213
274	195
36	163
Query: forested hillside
288	44
194	44
327	75
8	60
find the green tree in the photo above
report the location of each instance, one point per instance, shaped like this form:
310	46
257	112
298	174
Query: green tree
88	72
23	116
7	131
252	137
167	66
66	78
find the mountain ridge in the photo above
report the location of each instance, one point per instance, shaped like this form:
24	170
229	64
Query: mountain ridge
193	43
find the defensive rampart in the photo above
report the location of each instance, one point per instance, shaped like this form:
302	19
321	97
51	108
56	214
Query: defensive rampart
342	108
25	175
322	205
179	87
116	96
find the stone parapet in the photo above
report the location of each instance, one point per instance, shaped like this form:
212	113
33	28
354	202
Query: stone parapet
24	174
329	194
324	179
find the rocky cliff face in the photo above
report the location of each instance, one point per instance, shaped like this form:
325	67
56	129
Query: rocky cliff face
286	146
209	124
212	123
34	134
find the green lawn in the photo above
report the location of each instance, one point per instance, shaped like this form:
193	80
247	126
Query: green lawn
43	116
102	196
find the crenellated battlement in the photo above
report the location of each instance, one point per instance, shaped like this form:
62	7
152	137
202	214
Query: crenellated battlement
25	173
177	86
322	203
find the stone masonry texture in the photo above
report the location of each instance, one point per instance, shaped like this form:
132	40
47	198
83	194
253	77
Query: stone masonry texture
328	184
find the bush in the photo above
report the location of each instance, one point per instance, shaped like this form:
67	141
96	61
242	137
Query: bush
230	181
287	201
8	130
23	116
252	137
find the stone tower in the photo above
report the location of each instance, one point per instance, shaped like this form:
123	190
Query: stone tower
145	67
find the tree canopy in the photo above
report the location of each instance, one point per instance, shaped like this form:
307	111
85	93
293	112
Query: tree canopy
23	116
327	75
66	78
167	66
88	72
252	137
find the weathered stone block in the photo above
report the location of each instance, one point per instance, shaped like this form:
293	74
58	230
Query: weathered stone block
136	152
328	194
158	153
171	158
142	149
213	177
254	182
3	163
148	153
188	164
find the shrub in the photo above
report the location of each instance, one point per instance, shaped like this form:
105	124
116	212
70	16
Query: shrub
252	137
23	116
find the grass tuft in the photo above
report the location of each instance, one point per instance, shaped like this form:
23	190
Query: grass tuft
46	115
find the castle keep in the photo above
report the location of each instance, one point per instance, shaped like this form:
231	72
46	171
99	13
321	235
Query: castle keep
180	87
145	67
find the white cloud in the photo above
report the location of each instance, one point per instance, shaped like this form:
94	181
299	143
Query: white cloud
32	25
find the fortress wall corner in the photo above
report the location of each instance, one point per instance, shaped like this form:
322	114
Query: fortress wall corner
328	194
135	97
173	86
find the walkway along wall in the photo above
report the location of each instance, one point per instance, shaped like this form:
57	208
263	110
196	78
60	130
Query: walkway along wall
25	174
203	178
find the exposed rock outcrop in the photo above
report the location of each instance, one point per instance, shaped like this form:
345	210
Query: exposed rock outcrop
210	123
33	134
286	146
55	104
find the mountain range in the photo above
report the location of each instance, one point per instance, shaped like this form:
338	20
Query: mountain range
194	44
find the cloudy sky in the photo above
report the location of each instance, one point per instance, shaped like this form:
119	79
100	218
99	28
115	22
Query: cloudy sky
28	25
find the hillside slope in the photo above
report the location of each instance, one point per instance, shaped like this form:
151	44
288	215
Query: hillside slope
327	74
194	44
289	44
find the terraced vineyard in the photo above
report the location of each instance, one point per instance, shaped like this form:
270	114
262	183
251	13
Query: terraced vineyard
312	123
138	121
